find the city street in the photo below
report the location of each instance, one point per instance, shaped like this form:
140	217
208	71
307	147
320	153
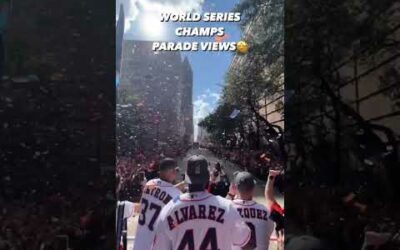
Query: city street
229	169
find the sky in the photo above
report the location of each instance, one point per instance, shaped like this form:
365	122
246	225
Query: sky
209	68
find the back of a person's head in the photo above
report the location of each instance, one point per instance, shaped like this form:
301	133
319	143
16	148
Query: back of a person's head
304	242
167	164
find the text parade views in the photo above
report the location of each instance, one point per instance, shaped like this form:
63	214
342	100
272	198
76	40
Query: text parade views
198	31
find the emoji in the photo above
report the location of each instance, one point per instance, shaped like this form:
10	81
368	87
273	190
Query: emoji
242	47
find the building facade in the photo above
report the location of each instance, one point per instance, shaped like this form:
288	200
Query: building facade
120	29
161	85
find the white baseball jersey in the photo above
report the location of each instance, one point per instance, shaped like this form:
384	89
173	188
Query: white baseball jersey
257	218
129	209
200	221
154	198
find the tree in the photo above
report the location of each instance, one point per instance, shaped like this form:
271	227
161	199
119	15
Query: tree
259	74
325	35
331	138
221	127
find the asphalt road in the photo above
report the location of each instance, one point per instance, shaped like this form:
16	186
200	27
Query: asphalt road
229	169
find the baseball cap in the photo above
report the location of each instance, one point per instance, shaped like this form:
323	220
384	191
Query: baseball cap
244	181
167	164
197	170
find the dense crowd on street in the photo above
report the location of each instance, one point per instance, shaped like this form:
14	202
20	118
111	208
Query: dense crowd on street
53	213
357	212
73	211
257	162
354	217
132	171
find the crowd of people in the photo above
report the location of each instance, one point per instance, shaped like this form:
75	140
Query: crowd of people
200	188
257	162
341	218
55	214
356	211
132	171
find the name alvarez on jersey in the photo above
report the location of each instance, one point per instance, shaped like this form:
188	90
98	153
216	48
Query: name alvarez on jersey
196	212
200	221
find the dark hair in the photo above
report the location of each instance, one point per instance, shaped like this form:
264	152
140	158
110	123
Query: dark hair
197	187
167	164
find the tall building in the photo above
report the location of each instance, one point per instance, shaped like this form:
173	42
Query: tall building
161	84
119	37
203	136
187	97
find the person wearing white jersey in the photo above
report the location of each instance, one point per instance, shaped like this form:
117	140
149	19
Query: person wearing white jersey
199	220
156	194
256	215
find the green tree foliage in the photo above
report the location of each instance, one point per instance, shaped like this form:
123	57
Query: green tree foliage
260	74
221	127
266	35
255	75
320	37
332	144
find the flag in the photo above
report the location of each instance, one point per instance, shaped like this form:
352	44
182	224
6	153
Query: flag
234	113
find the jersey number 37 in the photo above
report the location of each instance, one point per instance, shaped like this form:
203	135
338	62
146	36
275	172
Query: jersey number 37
150	207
